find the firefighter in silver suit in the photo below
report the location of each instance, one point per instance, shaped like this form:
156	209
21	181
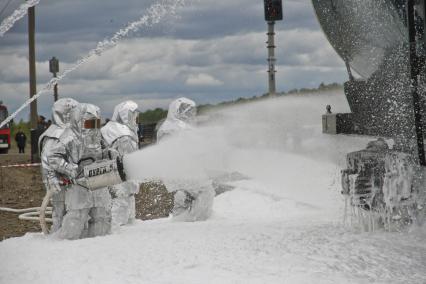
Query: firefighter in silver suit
88	212
193	199
120	135
180	117
60	121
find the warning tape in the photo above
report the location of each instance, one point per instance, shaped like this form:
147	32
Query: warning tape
22	166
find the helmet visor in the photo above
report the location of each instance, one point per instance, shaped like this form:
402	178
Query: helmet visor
187	111
92	124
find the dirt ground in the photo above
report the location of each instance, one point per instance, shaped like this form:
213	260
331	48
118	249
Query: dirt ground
23	188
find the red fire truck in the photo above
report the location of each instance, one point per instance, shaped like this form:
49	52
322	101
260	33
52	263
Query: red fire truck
4	131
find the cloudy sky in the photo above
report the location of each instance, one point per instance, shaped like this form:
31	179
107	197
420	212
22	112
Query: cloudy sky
209	51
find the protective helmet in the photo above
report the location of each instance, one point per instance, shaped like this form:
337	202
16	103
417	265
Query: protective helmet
182	109
127	113
61	110
86	123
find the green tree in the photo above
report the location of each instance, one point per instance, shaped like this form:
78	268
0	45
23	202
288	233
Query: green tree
152	116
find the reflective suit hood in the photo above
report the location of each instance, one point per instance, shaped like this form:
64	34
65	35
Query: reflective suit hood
61	111
182	109
91	137
123	123
126	113
181	116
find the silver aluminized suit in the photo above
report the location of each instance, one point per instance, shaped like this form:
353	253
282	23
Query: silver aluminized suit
51	180
120	136
181	116
193	199
88	212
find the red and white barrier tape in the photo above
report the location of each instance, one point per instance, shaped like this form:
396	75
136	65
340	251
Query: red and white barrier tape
22	166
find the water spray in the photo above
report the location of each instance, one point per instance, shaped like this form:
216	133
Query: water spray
153	16
19	13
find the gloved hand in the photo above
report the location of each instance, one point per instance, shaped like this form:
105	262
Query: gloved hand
71	170
53	186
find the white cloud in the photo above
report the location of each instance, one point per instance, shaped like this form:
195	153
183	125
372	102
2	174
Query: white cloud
202	79
207	54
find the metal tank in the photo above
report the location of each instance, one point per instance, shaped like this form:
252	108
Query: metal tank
364	33
371	36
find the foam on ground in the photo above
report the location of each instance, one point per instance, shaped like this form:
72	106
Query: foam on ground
282	225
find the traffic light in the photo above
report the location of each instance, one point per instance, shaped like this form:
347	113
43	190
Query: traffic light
273	10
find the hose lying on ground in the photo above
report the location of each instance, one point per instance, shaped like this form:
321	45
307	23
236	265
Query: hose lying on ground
35	213
26	212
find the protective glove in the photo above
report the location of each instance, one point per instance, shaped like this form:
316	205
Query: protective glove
54	186
71	170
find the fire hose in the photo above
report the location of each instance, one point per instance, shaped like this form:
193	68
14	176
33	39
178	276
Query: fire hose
34	213
43	210
28	214
37	214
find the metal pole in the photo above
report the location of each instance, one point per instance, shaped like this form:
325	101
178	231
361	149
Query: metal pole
33	87
414	73
55	89
54	69
271	58
32	65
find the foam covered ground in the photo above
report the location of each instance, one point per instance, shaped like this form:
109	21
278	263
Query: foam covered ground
284	224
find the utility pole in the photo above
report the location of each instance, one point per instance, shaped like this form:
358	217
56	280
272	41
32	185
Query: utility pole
54	69
33	87
273	12
271	58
